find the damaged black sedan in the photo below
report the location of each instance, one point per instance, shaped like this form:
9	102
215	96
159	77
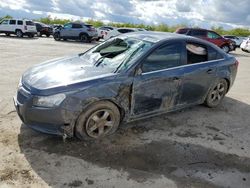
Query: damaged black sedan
126	78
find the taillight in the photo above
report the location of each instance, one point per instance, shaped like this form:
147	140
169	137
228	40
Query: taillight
25	27
237	63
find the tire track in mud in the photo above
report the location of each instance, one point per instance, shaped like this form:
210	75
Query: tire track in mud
184	163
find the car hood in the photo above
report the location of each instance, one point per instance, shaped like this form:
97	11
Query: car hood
62	72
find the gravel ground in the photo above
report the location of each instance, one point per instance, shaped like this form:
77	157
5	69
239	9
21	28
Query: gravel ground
195	147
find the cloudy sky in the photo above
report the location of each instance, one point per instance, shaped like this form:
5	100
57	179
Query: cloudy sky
202	13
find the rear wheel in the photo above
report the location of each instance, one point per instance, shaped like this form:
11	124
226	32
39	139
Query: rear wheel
31	35
225	48
19	33
48	35
216	94
7	34
100	119
84	38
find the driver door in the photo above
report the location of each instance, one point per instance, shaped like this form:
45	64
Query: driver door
158	86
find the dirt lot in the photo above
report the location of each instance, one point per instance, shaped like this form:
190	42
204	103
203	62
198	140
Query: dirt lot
196	147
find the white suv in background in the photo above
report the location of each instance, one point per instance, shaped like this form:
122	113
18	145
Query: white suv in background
18	27
117	31
245	45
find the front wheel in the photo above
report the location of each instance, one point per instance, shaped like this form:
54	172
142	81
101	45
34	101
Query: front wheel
99	119
57	36
31	35
216	94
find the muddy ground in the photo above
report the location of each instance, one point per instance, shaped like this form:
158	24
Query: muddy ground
195	147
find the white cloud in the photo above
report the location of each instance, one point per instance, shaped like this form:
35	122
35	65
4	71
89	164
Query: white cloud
203	13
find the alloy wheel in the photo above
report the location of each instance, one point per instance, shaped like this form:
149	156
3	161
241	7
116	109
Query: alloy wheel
217	93
100	123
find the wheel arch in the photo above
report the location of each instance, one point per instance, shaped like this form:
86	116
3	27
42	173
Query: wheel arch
94	101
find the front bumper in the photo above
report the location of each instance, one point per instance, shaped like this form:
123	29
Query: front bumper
46	120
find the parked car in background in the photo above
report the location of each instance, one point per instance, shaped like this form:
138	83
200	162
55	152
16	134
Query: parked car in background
56	26
43	29
226	45
245	45
76	31
236	39
129	77
104	30
18	27
117	31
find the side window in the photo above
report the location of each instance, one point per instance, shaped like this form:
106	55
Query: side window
76	26
19	22
68	26
196	53
212	35
197	33
214	54
163	58
12	22
4	22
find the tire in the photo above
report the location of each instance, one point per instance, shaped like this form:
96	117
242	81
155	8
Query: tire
48	35
98	120
7	34
216	94
31	35
19	33
84	38
57	36
225	48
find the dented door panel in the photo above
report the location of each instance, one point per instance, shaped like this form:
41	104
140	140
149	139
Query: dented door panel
156	91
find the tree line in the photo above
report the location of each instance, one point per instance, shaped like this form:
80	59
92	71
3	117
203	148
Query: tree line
244	32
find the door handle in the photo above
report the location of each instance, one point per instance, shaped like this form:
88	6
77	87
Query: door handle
210	71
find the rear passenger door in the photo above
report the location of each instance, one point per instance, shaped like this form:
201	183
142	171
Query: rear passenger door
199	74
76	30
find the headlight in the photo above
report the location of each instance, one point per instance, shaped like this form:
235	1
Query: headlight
49	101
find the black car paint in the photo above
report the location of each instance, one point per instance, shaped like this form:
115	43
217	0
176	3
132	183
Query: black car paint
137	95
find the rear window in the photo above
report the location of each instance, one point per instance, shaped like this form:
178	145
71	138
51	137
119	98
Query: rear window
182	31
125	30
76	26
89	26
30	23
19	22
12	22
214	54
198	33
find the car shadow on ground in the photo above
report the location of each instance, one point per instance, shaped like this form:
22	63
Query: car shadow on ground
149	147
22	38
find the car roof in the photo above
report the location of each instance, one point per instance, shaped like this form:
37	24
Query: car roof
190	28
154	36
